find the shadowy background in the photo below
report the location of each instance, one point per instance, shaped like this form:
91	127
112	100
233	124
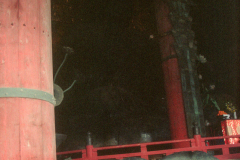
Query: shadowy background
120	89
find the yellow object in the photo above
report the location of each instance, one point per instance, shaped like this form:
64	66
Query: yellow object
230	107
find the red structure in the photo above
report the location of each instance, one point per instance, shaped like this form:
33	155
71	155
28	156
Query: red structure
153	150
27	128
231	127
171	74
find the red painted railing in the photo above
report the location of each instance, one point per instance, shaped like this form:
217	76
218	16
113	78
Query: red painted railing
158	149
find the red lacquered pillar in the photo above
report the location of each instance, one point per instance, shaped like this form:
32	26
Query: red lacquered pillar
172	76
27	127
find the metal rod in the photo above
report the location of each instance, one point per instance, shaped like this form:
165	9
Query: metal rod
70	86
55	76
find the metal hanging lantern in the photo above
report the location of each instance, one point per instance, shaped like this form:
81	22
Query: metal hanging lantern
58	94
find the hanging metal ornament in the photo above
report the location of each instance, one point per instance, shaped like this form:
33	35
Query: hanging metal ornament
58	92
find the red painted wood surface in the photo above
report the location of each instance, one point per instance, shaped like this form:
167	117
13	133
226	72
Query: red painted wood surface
26	125
172	78
231	127
198	143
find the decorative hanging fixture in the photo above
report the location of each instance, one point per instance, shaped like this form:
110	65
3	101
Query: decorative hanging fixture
58	91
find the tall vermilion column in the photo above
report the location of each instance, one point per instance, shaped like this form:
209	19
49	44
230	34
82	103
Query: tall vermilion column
27	128
172	78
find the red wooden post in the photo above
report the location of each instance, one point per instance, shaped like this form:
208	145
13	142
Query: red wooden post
89	151
171	75
225	151
144	151
198	141
84	154
27	128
